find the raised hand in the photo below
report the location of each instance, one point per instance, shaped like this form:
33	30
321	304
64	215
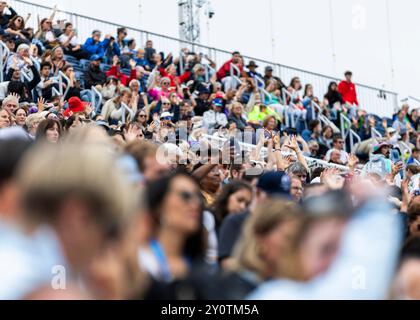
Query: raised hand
133	63
41	104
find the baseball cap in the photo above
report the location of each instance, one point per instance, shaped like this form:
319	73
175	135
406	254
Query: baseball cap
95	57
268	68
218	102
166	115
275	183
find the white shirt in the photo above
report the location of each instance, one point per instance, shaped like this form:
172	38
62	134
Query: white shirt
344	156
211	119
73	42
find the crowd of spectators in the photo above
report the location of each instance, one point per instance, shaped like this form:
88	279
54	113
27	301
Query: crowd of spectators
186	182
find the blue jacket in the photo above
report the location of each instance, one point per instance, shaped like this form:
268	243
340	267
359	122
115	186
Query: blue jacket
93	47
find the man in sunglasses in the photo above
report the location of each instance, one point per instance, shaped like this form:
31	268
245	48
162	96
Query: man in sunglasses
338	144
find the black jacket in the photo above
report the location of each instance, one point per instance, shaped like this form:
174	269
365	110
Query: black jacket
4	19
94	76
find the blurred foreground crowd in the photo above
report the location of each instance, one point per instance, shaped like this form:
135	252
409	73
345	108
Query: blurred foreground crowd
173	178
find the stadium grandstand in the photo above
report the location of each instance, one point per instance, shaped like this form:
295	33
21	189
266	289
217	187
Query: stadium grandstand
148	164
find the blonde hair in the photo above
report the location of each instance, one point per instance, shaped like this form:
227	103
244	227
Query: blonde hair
31	119
52	174
266	218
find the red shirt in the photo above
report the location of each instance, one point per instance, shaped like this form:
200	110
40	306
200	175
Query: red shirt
224	71
174	79
348	91
115	71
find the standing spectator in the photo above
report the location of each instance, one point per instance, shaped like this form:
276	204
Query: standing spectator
224	75
94	76
347	90
94	46
400	123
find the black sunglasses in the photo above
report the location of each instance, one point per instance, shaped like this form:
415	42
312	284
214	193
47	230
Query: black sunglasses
189	196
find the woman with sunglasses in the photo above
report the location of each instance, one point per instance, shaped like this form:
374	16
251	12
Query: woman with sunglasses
140	119
175	207
16	26
45	34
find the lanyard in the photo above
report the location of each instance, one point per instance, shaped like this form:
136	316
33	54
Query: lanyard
162	261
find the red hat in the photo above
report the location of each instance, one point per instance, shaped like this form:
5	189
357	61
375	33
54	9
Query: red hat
75	106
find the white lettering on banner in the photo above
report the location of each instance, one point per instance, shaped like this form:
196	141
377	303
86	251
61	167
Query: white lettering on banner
358	278
58	281
359	21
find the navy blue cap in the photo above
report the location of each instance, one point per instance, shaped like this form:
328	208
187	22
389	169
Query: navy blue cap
95	57
275	183
218	102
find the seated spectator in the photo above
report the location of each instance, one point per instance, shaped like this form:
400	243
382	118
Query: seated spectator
141	60
333	96
93	45
149	52
71	44
237	116
112	110
47	83
380	163
215	118
19	60
16	27
58	60
268	76
46	35
338	144
73	86
170	72
115	71
252	70
259	113
224	74
401	123
94	76
415	157
4	16
314	132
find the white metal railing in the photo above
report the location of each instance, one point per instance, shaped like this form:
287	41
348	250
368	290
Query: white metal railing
209	72
4	55
323	119
375	134
126	109
290	107
96	99
375	100
61	92
312	162
235	73
261	88
348	132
